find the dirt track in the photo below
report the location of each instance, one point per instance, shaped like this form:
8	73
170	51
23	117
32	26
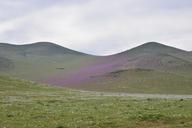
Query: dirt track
139	95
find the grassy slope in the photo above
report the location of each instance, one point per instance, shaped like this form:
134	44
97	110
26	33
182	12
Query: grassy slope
142	81
42	60
171	71
40	67
5	64
25	104
34	68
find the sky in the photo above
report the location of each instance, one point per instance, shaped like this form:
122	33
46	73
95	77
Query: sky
99	27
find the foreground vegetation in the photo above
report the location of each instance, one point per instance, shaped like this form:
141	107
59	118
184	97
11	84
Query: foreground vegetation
28	105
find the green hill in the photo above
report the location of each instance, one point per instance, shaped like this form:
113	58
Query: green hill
155	56
41	60
39	48
148	68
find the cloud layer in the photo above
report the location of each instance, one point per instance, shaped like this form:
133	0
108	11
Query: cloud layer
97	26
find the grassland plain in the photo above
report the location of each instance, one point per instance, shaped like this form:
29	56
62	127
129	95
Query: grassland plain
26	104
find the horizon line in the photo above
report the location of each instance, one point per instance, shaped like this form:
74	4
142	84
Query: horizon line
54	43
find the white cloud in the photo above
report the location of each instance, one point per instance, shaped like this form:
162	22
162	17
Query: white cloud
102	26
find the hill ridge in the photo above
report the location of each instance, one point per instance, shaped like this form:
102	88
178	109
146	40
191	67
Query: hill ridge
153	47
39	48
148	45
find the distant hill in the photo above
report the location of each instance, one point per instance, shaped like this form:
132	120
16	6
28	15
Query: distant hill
40	60
156	56
39	48
153	47
151	67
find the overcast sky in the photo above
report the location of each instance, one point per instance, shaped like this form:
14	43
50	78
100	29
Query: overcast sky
99	27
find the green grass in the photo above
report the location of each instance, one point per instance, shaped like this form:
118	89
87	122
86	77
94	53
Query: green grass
27	105
142	81
42	67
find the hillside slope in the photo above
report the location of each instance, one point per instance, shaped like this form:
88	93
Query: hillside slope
41	60
6	64
155	56
151	55
39	48
151	67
